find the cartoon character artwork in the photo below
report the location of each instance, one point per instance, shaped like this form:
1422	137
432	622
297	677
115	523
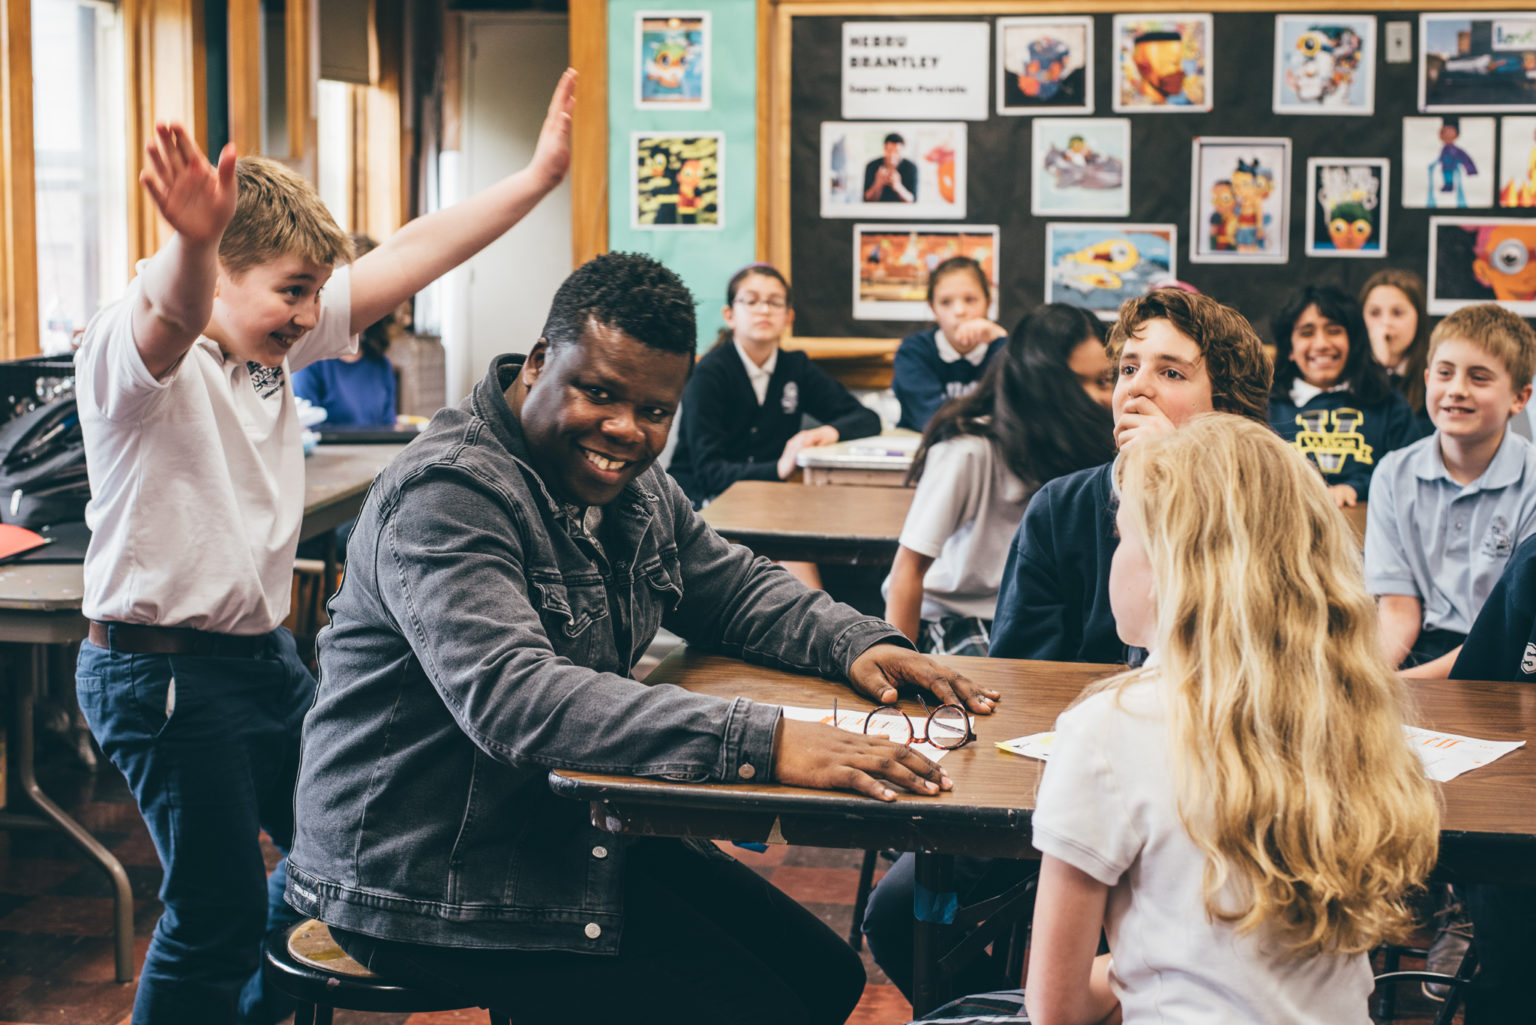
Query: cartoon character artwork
1045	65
1517	162
1448	162
1081	166
1347	212
1163	63
672	62
1239	208
677	180
1099	266
1324	65
1482	259
1223	218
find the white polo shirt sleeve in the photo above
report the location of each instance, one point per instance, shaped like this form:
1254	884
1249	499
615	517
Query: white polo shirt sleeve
1387	566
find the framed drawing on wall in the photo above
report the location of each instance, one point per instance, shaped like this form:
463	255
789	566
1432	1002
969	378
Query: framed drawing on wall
1239	203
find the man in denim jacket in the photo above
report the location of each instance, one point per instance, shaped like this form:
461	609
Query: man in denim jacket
505	574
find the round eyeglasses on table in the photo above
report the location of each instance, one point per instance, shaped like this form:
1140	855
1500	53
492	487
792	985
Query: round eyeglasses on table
947	726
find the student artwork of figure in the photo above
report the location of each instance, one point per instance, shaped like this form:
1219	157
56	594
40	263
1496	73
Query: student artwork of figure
1045	65
1347	214
1324	65
1477	62
672	62
1448	162
676	180
900	170
1082	167
892	263
1163	63
1482	259
1239	210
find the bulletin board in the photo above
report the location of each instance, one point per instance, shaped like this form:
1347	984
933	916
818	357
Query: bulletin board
801	88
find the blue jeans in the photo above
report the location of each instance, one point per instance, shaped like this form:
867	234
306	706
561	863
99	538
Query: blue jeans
210	749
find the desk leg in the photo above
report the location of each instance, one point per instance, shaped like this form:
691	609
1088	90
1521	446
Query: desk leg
329	581
26	691
935	874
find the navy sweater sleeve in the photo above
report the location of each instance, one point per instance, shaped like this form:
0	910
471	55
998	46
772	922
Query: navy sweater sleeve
1054	598
915	379
1502	644
825	398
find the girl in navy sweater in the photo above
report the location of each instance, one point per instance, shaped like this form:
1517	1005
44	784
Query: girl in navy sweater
1330	399
947	360
743	407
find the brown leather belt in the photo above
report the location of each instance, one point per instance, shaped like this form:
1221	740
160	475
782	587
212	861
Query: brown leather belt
138	639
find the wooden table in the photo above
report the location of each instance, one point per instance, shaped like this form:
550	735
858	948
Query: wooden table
880	461
40	605
850	525
1488	829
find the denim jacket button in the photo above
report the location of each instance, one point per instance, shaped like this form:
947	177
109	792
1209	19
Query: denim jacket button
599	852
746	772
593	930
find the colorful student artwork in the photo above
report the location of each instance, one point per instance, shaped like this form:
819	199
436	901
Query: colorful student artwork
1162	63
1045	65
1482	259
677	180
1081	166
1517	161
1347	200
1100	266
1447	162
894	169
892	263
1325	64
1240	205
672	60
1477	61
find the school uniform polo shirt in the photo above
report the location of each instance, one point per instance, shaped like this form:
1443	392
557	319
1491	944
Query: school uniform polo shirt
1445	543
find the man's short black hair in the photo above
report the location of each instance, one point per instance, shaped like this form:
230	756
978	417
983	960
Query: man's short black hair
629	291
896	138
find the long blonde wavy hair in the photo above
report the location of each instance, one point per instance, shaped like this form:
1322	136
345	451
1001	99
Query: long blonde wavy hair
1293	774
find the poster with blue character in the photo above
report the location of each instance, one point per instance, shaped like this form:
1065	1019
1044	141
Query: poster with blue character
1100	266
1045	65
1325	64
672	60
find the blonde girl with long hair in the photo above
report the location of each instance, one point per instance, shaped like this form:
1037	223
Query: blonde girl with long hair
1242	815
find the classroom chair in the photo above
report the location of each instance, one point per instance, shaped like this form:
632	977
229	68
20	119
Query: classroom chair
1387	981
307	964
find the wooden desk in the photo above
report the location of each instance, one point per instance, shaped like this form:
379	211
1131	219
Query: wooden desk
1355	515
852	524
40	605
1488	829
879	461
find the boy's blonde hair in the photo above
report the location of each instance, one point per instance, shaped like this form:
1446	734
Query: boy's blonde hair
1497	332
1293	774
278	213
1239	370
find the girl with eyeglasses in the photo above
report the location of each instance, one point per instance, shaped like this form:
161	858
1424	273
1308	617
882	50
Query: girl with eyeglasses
745	404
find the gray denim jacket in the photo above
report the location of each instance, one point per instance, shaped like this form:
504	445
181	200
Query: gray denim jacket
478	641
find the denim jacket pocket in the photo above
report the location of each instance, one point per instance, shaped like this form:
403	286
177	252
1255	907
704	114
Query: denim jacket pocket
657	592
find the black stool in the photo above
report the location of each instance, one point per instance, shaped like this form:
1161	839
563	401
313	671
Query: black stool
307	964
1387	981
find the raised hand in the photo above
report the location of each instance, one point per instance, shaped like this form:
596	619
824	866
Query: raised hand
813	754
884	667
552	155
194	197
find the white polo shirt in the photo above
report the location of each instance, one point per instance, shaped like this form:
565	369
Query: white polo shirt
1443	542
197	480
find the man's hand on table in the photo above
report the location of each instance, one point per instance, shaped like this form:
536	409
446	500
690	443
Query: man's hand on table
813	754
884	667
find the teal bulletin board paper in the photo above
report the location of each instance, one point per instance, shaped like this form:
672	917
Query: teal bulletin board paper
705	258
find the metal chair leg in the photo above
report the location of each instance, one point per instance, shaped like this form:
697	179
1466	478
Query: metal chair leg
861	900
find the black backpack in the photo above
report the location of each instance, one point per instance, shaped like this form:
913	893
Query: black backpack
42	466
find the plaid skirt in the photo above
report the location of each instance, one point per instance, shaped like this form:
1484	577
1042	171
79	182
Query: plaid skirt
955	635
1004	1006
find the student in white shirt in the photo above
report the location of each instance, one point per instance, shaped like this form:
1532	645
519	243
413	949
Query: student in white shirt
1242	815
